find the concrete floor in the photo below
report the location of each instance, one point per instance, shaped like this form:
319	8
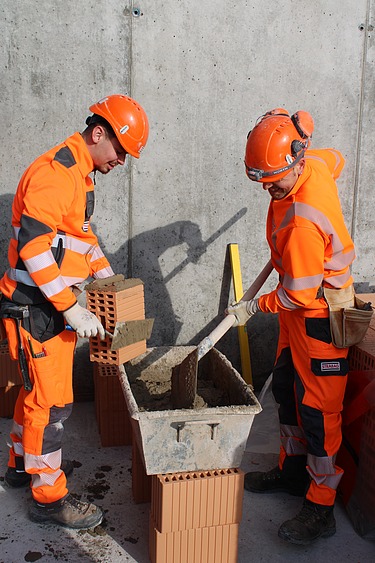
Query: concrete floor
104	475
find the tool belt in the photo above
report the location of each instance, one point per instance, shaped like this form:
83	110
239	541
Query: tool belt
349	316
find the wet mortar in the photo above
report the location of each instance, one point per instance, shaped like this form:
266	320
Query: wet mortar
150	379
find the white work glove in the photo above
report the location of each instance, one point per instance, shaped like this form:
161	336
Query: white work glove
243	311
84	322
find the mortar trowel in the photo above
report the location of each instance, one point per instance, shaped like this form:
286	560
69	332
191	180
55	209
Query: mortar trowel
127	332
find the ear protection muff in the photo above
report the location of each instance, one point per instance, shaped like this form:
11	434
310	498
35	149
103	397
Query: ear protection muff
297	147
304	124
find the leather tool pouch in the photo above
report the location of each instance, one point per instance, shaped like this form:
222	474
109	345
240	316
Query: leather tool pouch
349	316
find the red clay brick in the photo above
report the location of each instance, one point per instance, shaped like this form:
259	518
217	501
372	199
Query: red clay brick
110	407
8	397
141	482
113	305
9	374
198	499
215	544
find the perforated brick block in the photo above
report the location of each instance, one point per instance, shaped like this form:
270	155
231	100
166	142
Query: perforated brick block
110	407
181	501
8	397
121	301
362	355
216	544
9	374
141	482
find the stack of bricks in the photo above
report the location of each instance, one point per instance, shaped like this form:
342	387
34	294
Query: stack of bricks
113	300
110	407
195	516
10	381
120	301
357	453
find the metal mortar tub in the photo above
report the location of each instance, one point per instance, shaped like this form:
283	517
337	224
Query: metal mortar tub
211	436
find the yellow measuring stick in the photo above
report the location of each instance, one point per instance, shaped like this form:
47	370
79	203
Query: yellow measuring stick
242	330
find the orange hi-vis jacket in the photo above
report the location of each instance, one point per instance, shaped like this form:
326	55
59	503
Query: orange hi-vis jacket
53	246
310	244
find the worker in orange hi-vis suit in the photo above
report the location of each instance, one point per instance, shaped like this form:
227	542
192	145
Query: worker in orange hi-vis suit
311	249
52	251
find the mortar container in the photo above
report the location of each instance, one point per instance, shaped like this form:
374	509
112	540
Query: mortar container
203	438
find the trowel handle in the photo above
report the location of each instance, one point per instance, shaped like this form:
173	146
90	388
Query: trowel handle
258	282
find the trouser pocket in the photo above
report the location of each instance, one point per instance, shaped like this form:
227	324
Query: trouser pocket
48	384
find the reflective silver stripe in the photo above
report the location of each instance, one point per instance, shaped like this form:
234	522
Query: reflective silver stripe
23	277
104	273
20	276
69	280
18	448
293	446
74	244
339	260
70	243
42	479
53	287
284	299
320	159
324	471
339	281
287	430
44	461
97	253
17	429
293	440
39	262
297	284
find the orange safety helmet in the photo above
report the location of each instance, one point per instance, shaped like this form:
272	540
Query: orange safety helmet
128	120
277	142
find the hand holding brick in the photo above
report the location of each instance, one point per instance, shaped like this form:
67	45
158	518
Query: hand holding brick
84	322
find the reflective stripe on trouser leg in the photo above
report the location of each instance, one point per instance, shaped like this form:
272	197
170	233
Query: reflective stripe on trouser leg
42	411
320	380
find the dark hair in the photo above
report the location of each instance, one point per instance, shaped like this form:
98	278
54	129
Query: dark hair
94	120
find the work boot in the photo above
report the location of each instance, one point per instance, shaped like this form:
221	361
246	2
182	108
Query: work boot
273	481
68	512
17	478
312	522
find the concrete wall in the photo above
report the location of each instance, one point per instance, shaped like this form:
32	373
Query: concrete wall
204	72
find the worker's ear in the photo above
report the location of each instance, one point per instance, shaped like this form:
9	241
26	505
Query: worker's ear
300	166
97	134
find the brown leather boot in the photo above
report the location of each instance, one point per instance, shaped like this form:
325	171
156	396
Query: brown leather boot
68	512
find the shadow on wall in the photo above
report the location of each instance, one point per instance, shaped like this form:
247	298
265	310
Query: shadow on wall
147	249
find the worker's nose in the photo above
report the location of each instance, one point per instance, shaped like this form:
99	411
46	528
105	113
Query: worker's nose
121	158
267	185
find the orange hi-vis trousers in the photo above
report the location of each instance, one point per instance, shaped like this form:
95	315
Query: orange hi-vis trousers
309	381
39	414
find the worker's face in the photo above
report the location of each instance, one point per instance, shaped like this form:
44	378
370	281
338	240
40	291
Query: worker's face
281	188
107	153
